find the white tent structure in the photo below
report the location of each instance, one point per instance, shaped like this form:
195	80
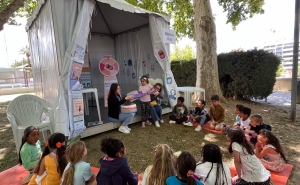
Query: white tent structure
61	32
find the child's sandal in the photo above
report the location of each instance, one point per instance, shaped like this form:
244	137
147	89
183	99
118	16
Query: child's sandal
143	124
148	122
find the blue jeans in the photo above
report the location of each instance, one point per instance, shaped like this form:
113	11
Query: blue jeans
202	120
156	112
123	117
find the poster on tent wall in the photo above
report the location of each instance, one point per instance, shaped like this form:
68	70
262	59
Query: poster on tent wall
169	36
75	95
171	87
109	68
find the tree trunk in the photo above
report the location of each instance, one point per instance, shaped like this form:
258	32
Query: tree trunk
8	11
205	35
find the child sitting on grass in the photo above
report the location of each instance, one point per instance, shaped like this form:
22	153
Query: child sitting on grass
248	167
198	114
186	165
216	113
179	113
114	168
269	151
244	121
237	111
256	124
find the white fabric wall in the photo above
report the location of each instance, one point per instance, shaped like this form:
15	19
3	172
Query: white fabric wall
44	60
99	46
134	46
137	47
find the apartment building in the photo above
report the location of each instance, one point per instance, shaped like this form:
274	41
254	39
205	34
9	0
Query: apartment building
285	51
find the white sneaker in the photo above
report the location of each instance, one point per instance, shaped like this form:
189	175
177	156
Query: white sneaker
157	124
129	129
188	124
124	130
198	128
161	121
172	122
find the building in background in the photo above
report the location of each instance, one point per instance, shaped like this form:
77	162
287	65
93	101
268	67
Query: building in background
285	51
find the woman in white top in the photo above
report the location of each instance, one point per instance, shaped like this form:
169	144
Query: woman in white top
211	170
161	168
248	167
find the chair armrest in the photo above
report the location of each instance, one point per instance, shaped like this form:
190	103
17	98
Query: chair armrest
12	120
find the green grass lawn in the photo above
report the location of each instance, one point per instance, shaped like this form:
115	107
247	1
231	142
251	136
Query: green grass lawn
141	141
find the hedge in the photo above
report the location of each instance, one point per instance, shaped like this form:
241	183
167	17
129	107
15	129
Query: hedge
243	74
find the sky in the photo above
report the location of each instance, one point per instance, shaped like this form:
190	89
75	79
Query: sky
275	25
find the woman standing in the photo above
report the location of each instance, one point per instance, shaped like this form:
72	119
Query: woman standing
155	105
115	101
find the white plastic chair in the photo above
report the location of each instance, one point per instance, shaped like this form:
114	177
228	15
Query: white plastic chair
28	110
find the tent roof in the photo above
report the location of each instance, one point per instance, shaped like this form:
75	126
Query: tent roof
113	25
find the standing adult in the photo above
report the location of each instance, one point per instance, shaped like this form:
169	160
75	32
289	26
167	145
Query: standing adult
115	101
155	105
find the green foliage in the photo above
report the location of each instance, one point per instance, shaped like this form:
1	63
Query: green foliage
180	10
184	72
19	63
281	70
23	11
298	70
181	54
240	10
248	74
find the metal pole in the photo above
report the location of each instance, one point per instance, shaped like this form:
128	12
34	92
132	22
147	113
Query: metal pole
295	62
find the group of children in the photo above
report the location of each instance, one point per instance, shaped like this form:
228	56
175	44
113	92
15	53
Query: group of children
56	164
61	165
254	147
215	115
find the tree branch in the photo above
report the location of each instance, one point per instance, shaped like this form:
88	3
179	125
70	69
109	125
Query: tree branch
8	11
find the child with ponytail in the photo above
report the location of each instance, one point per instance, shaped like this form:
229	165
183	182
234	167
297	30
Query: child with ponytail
77	171
186	165
50	167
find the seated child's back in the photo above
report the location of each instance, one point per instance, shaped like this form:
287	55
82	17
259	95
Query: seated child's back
114	168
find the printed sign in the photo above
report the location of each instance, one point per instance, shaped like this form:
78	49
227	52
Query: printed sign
172	94
85	79
169	36
76	70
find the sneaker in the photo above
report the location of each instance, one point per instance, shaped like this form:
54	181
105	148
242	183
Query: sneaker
188	124
198	128
161	121
148	122
27	178
129	129
157	124
143	124
123	130
172	122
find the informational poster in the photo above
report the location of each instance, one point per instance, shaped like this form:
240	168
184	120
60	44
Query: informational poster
109	68
77	49
76	70
108	80
171	87
85	79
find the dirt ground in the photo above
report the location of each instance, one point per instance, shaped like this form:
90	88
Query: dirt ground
140	142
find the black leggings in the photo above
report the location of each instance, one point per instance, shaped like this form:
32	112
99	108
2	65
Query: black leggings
145	111
243	182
